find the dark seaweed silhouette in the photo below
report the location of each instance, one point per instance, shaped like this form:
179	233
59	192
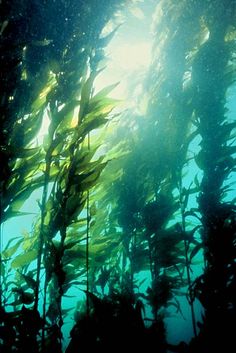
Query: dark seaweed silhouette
115	321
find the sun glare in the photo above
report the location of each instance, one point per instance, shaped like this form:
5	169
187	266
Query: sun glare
128	57
132	57
125	63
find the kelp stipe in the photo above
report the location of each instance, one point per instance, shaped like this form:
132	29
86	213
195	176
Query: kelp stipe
215	288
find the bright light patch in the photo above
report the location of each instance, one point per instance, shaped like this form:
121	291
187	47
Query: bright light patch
126	63
132	57
44	128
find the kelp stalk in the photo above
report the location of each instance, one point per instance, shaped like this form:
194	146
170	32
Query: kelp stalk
216	287
87	243
1	231
186	249
41	230
41	245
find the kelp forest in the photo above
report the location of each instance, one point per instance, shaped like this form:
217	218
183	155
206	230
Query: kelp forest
118	215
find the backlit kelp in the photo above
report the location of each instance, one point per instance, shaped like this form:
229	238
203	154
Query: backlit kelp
57	76
136	220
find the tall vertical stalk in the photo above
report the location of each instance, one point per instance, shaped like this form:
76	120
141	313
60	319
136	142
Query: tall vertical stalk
0	250
132	255
41	246
41	229
150	258
186	248
44	314
214	290
87	243
63	238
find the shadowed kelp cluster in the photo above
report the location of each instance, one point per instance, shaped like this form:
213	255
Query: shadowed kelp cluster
136	216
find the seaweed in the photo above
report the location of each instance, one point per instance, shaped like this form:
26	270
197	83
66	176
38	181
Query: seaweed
128	203
217	164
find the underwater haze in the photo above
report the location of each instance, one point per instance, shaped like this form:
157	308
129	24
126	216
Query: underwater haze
117	181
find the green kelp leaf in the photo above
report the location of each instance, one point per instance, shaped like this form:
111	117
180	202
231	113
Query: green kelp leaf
195	250
226	130
193	213
54	147
91	122
68	124
41	100
75	256
186	193
9	252
65	312
32	126
103	93
66	111
190	235
26	130
71	244
10	241
90	181
47	140
26	298
177	305
74	207
20	199
97	249
28	166
78	233
71	273
120	150
141	282
24	259
200	160
53	311
16	214
73	283
23	152
91	167
103	277
86	94
25	180
29	280
105	40
103	106
93	210
197	182
31	240
77	260
83	159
